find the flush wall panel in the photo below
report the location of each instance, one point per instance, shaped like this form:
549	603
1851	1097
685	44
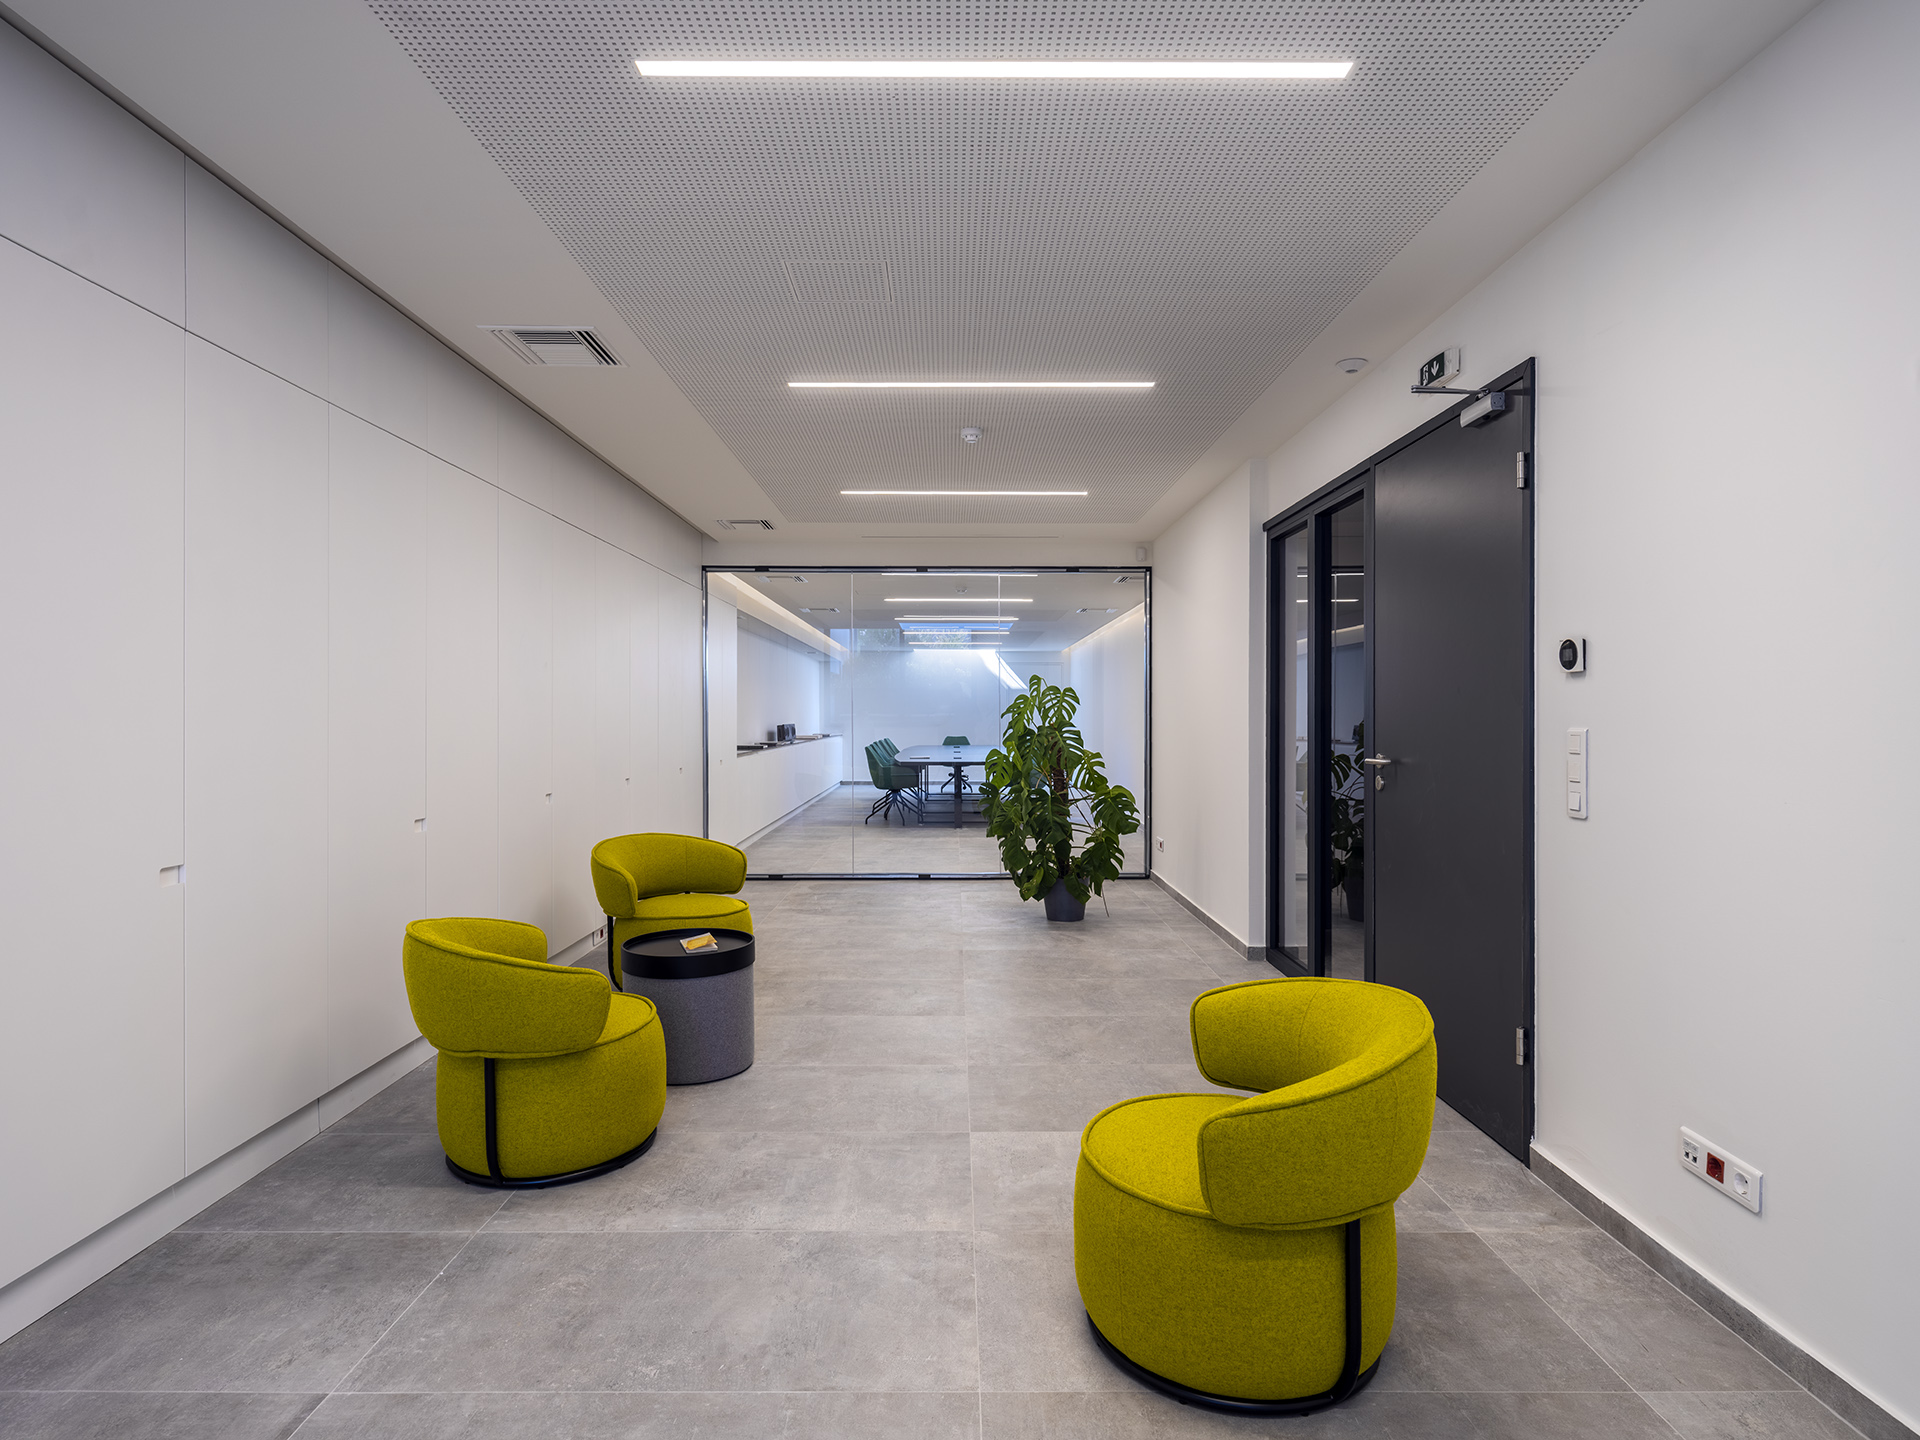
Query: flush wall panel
463	423
526	713
90	981
256	749
680	708
613	599
376	360
643	709
463	694
252	288
577	821
526	464
377	676
85	184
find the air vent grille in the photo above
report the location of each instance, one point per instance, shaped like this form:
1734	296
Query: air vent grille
555	344
746	524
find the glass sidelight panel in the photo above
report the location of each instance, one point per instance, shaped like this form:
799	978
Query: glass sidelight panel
1292	656
1346	705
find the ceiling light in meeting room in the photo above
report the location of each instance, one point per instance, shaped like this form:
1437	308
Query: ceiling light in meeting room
970	384
1081	493
958	600
810	69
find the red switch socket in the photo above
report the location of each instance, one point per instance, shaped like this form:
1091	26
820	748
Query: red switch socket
1716	1168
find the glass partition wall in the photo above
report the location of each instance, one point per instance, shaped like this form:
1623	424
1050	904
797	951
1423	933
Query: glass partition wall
850	711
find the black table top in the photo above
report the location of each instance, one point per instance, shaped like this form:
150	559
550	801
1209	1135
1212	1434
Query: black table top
658	956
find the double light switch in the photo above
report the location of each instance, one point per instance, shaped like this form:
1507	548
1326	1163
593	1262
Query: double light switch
1577	803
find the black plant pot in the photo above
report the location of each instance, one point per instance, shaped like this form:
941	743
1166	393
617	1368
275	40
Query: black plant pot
1355	885
1062	906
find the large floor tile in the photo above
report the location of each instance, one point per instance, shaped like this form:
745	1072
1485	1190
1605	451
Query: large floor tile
1493	1191
1023	1180
757	1180
716	1310
1655	1337
1465	1322
1033	1328
710	1416
1158	1038
1784	1415
152	1415
404	1107
824	1097
228	1312
1420	1210
1040	994
347	1181
1066	1097
775	993
1374	1414
787	1039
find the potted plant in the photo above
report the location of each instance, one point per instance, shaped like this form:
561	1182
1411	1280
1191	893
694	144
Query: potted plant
1349	837
1050	806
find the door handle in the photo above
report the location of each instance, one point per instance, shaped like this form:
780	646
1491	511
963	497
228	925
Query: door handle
1380	773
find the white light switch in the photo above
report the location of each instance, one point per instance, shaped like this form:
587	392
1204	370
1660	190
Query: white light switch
1577	772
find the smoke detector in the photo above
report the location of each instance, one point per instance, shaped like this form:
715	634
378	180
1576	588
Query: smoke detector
971	434
554	344
1352	365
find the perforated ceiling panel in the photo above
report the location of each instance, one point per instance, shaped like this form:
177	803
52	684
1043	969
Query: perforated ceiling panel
1196	235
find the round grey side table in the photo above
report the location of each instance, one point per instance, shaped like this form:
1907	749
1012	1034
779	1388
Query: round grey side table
705	1000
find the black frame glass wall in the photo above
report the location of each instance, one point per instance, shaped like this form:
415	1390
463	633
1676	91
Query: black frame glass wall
848	710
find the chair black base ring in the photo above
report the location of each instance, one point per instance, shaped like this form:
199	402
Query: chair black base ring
1228	1404
542	1182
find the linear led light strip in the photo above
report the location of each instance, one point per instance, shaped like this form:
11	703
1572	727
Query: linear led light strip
1001	69
958	600
970	384
963	492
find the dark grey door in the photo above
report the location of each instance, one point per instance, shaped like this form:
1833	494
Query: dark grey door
1449	828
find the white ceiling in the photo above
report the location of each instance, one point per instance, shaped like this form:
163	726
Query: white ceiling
484	163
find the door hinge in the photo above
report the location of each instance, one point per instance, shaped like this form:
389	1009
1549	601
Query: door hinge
1520	1045
1519	469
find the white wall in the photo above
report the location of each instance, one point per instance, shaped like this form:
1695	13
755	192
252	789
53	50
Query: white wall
1727	499
780	683
1108	671
303	603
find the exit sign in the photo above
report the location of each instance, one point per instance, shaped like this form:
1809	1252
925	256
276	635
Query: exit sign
1441	368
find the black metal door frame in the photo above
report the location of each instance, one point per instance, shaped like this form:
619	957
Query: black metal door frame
1315	511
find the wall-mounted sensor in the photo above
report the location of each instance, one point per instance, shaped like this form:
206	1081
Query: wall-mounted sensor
971	434
1573	656
1352	365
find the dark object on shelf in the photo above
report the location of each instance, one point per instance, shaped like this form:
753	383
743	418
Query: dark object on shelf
785	733
705	999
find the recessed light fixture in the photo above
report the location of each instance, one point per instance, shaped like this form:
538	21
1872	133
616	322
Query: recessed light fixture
970	384
1000	69
958	600
963	492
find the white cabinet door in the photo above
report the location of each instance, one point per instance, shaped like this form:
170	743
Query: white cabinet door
463	694
643	675
724	779
526	713
256	750
377	783
575	813
613	586
90	992
681	731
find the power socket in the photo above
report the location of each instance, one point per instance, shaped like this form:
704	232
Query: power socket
1160	844
1734	1178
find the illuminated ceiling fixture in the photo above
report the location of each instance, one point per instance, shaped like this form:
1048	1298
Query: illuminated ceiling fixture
969	384
963	492
958	600
1000	69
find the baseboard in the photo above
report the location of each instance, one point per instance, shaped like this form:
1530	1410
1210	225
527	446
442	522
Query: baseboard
1232	941
1838	1394
53	1282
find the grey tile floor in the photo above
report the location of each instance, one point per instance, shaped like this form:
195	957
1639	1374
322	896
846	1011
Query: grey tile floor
867	1234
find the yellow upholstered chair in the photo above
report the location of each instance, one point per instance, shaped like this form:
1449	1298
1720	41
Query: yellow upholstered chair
667	882
545	1075
1238	1254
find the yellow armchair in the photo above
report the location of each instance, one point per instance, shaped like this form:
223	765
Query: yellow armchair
1240	1254
545	1076
655	882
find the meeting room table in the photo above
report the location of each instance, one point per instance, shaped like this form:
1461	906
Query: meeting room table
956	758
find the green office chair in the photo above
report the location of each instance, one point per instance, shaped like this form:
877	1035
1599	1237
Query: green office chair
545	1076
899	785
655	882
1239	1254
956	740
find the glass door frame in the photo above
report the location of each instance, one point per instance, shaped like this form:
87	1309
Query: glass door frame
1143	569
1314	515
